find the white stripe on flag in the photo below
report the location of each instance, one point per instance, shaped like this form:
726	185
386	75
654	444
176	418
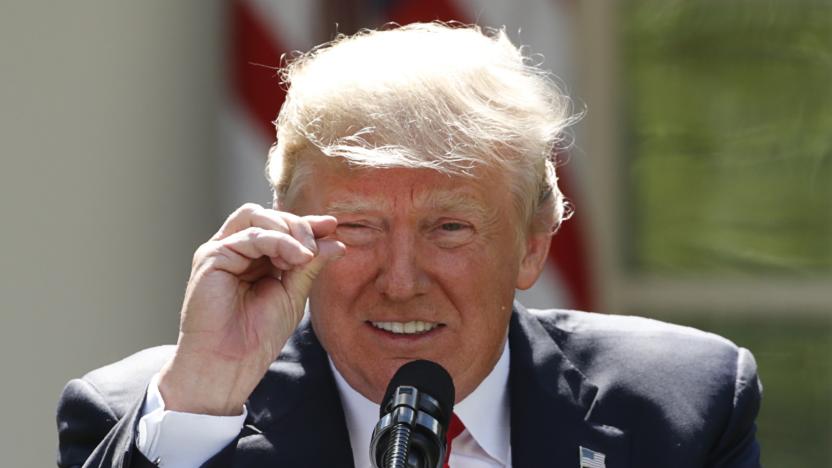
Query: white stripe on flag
293	23
549	291
241	177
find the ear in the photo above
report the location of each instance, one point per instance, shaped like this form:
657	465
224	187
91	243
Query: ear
534	258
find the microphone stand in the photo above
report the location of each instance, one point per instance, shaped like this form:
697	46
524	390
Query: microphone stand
413	437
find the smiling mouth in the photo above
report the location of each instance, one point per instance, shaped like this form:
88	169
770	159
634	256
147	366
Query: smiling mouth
406	328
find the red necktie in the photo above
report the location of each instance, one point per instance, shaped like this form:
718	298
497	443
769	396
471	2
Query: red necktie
455	428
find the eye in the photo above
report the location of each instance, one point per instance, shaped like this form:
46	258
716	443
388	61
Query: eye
450	234
356	234
451	227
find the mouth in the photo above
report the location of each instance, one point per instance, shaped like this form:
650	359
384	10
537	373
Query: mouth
414	327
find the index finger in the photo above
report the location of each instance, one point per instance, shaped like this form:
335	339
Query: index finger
303	228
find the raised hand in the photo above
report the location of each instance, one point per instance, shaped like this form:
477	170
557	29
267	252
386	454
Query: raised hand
245	296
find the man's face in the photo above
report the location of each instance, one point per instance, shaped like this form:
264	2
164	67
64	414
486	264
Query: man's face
430	269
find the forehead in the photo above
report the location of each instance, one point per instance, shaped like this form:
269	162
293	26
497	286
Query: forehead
337	188
427	199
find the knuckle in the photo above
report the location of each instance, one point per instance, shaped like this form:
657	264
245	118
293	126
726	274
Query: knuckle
248	208
304	224
279	246
207	256
289	218
254	233
202	252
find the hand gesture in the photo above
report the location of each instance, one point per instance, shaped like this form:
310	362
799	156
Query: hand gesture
245	297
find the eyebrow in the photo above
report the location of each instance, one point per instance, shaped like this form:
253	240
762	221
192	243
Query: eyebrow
443	200
351	206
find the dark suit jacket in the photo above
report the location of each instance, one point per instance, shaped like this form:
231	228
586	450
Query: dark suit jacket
644	393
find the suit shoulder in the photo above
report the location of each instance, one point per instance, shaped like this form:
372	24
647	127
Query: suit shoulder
138	367
666	385
121	383
641	352
635	332
650	360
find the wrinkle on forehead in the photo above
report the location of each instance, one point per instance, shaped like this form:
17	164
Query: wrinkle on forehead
439	200
359	190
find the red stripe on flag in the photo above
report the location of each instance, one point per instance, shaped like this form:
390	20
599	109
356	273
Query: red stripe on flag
409	11
569	253
255	55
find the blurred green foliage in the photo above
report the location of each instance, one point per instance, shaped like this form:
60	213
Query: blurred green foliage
727	134
795	365
727	111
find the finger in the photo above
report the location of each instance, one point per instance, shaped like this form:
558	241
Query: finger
298	281
256	242
280	264
254	215
306	228
322	226
237	221
236	252
301	230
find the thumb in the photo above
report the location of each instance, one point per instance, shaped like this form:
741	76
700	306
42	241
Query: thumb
298	281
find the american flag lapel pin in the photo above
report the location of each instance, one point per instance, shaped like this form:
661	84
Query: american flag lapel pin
591	458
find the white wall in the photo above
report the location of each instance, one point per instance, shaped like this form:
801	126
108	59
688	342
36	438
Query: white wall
107	156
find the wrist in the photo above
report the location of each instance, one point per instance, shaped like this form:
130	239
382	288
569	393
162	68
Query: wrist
209	388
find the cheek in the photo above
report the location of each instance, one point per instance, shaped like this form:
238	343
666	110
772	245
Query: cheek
333	301
484	265
342	280
481	287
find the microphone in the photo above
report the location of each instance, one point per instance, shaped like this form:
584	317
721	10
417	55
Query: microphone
415	413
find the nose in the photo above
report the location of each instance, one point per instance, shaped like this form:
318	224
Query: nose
401	276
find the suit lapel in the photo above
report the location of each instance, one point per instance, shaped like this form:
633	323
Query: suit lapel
295	414
296	418
551	403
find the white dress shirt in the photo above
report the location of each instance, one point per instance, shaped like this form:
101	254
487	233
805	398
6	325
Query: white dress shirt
185	440
485	442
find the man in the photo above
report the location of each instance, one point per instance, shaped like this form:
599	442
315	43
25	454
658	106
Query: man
414	191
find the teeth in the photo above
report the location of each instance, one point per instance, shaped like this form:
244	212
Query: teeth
406	328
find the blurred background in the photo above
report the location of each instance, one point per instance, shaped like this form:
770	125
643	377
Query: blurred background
701	175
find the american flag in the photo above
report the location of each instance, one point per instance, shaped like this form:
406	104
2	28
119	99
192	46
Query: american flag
261	30
591	458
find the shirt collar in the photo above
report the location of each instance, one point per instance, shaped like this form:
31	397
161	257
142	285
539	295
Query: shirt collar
485	414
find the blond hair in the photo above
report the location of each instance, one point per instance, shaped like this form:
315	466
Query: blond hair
427	95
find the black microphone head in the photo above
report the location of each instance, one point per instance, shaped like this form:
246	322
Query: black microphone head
428	377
